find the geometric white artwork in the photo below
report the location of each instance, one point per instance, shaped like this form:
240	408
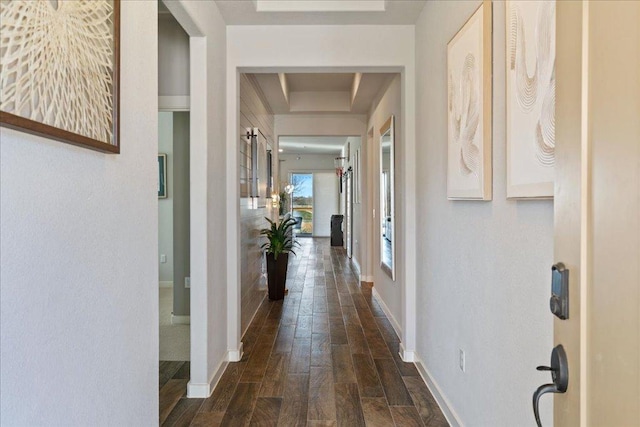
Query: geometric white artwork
59	70
469	109
531	93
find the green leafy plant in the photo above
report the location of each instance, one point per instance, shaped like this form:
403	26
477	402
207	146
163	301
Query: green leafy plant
279	237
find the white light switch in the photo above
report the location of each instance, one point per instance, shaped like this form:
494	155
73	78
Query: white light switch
163	258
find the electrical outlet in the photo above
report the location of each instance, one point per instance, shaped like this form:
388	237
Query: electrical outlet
163	258
187	282
461	360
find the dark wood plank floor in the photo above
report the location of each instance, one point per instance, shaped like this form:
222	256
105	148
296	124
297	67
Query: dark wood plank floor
325	356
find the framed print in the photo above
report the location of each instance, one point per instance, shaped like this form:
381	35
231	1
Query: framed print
531	94
263	172
356	176
469	171
162	176
259	172
59	70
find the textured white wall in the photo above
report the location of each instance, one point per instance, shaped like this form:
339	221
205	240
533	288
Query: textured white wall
79	272
165	206
173	57
208	175
389	104
305	163
483	267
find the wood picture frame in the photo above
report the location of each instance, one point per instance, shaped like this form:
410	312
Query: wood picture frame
56	98
469	118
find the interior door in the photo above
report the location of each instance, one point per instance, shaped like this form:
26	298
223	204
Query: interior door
325	202
597	205
348	212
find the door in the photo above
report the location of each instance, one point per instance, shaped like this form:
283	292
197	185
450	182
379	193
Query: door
325	202
302	202
597	210
348	185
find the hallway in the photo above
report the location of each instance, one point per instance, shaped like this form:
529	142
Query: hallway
326	355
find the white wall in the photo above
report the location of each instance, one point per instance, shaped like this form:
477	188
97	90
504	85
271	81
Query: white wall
484	270
390	103
79	272
208	175
165	206
173	57
305	163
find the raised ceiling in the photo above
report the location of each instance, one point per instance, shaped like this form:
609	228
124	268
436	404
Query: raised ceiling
322	12
315	82
313	93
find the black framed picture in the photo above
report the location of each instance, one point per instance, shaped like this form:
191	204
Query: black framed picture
162	176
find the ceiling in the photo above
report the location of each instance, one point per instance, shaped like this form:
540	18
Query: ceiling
319	93
315	82
344	12
314	144
313	93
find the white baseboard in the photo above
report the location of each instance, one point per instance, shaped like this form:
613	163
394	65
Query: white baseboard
408	356
180	320
166	284
368	279
443	402
204	390
387	312
235	355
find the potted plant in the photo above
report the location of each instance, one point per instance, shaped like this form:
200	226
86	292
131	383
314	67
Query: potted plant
279	243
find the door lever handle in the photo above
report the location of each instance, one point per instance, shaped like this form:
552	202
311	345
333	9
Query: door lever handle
546	388
560	376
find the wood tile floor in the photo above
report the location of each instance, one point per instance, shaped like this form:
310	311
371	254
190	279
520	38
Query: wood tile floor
325	356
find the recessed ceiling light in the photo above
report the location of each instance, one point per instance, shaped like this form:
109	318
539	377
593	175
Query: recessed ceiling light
280	150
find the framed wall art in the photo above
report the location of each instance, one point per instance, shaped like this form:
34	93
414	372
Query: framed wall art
59	70
162	176
469	167
531	93
356	176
